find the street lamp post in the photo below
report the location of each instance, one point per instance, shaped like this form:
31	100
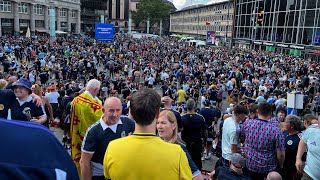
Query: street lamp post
52	25
198	23
228	18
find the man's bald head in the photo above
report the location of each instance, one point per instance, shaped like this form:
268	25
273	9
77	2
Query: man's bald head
111	100
274	176
112	110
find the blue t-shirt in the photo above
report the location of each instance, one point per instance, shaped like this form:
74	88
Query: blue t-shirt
30	151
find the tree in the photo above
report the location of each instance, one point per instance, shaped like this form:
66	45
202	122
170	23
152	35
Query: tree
154	9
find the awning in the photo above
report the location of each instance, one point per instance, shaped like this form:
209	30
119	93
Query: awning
41	30
61	32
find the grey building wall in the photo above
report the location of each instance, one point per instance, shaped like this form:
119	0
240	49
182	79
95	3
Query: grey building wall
15	22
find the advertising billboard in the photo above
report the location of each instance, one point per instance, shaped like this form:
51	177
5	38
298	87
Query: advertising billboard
104	32
210	38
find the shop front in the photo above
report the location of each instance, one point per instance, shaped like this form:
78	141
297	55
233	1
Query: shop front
243	44
312	52
7	27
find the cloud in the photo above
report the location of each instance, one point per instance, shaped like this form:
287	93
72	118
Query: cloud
179	3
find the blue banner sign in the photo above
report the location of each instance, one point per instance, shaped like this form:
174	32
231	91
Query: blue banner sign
104	32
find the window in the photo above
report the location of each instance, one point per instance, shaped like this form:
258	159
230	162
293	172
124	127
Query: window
5	6
73	14
39	24
23	8
37	9
62	13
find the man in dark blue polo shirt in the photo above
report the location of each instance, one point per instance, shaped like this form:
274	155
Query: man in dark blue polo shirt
22	108
31	151
111	126
211	117
194	132
7	97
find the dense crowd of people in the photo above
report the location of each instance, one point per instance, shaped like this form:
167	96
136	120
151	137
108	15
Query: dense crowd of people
98	92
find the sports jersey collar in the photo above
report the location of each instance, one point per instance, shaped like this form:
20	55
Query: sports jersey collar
112	127
143	134
27	100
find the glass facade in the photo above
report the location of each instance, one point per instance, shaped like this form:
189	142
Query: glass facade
279	21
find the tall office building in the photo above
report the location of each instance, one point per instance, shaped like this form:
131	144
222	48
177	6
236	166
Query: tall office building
287	26
119	11
113	11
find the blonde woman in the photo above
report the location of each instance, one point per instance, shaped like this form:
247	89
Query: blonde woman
168	131
3	84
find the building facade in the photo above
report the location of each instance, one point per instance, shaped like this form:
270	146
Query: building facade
198	20
16	16
113	11
91	12
286	26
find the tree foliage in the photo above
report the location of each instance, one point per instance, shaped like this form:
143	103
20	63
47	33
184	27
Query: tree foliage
154	9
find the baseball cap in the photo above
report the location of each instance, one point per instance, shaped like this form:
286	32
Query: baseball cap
24	82
52	87
237	160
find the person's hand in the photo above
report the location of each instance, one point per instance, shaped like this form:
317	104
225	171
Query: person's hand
37	100
211	174
51	119
299	165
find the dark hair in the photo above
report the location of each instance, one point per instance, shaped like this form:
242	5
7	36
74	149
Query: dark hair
294	121
144	106
253	108
265	109
239	109
282	110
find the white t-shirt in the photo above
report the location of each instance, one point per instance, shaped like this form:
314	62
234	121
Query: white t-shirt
53	97
230	135
312	139
151	80
31	78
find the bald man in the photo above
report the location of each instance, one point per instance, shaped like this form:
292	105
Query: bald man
273	175
110	126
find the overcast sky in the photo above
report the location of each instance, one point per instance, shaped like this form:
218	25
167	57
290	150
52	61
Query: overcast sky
185	3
